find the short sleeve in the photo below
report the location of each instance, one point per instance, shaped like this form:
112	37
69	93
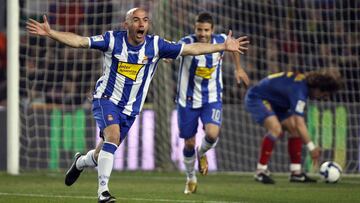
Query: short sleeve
224	36
298	100
169	49
100	42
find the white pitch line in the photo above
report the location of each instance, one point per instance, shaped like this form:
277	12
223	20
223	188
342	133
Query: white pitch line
121	198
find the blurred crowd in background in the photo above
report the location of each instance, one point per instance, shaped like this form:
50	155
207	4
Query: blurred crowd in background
285	36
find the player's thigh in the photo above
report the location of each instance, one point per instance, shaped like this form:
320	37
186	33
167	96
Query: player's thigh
211	117
109	116
212	113
289	124
105	113
187	121
125	124
112	133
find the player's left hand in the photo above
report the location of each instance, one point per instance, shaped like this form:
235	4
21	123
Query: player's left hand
241	75
315	155
236	45
36	28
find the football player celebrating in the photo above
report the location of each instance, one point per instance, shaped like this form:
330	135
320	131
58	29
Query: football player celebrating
199	95
130	59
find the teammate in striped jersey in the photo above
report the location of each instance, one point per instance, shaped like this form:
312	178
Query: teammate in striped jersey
278	103
130	61
199	95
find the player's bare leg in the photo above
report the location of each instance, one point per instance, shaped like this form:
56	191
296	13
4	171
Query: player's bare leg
295	148
273	126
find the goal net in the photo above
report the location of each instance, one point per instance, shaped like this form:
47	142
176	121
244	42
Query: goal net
56	81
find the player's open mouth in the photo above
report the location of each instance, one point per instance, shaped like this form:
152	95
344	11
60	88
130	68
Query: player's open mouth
140	33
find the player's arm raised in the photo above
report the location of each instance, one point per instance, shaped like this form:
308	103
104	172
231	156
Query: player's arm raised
231	45
67	38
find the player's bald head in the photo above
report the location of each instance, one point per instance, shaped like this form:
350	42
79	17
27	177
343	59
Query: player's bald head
131	12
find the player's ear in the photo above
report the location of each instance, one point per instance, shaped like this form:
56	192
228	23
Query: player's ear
124	25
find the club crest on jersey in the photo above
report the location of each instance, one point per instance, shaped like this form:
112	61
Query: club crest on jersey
129	70
145	60
97	38
204	72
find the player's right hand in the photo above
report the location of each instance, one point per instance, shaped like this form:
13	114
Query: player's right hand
37	28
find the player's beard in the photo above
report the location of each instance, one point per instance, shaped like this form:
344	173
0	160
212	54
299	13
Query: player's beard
204	39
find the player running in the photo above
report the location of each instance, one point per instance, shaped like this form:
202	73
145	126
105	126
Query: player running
278	103
130	60
199	95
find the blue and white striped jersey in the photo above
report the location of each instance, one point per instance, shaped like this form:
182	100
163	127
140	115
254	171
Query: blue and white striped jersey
200	77
128	70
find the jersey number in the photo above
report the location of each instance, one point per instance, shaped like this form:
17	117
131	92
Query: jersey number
216	113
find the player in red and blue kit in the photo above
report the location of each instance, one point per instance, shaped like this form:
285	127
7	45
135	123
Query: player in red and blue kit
278	103
130	61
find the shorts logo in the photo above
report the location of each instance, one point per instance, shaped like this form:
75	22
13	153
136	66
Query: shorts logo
110	117
129	70
204	72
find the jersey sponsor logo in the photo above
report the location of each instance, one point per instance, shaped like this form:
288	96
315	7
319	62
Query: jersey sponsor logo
97	38
129	70
300	106
204	72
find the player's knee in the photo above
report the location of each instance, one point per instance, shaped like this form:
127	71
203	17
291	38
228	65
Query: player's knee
212	133
277	131
190	144
113	138
212	137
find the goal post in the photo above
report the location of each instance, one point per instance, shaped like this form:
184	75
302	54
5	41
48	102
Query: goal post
55	81
13	122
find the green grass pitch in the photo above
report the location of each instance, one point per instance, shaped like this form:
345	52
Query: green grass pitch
168	187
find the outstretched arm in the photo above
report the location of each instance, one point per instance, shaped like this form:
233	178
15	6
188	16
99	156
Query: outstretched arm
240	74
302	130
231	45
67	38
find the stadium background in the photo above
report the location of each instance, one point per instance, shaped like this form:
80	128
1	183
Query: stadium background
55	81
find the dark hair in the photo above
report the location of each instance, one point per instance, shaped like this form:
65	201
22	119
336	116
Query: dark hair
326	80
205	17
